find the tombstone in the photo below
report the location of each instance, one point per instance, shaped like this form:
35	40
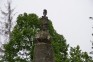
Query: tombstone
43	51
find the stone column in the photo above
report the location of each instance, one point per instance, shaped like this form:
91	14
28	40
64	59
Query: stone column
43	51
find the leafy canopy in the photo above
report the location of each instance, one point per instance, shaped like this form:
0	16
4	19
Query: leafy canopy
21	45
76	55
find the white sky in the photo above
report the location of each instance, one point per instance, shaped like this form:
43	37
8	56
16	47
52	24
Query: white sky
69	17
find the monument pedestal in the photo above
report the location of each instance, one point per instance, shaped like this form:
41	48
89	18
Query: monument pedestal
43	52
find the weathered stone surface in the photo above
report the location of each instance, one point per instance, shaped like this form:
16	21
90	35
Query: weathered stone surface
43	52
43	36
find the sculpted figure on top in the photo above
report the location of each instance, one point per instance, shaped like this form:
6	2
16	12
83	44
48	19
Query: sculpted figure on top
44	21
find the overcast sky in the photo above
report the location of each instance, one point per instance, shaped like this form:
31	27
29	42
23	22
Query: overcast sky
70	18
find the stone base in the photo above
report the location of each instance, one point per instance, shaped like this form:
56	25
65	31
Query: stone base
43	52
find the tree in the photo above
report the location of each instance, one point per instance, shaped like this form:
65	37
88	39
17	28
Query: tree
76	55
21	45
8	21
6	24
92	35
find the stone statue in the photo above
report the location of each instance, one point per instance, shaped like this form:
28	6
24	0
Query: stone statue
44	21
43	50
44	12
43	35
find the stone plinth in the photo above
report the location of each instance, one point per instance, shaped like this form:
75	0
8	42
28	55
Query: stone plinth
43	52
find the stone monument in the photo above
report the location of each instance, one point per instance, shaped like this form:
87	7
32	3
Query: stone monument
43	51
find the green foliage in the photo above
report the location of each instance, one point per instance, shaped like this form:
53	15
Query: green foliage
76	55
21	45
60	48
